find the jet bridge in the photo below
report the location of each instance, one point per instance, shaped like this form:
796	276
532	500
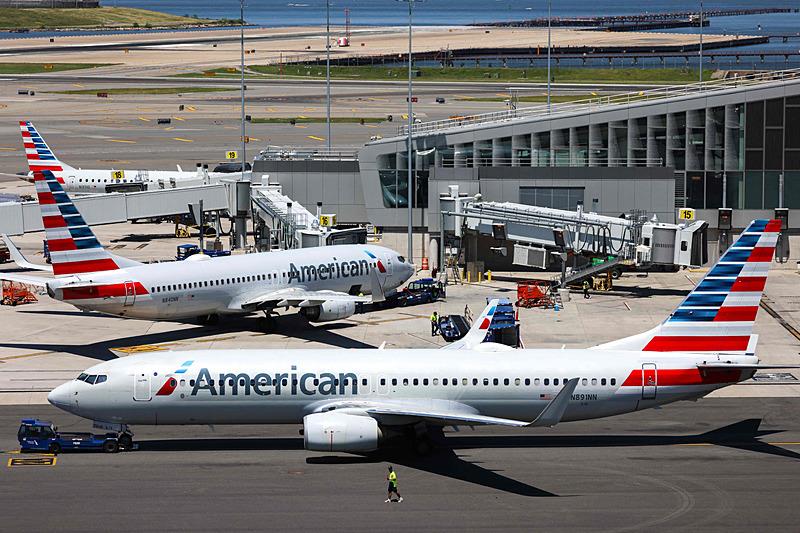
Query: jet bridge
537	233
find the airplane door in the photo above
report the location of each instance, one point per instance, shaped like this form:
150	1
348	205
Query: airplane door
141	387
130	294
649	381
387	260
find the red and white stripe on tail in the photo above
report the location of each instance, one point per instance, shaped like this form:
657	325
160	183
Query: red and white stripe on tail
40	156
74	249
718	315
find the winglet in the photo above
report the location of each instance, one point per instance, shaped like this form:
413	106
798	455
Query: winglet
375	287
20	259
554	411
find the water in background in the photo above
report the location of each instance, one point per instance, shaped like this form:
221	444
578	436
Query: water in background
455	12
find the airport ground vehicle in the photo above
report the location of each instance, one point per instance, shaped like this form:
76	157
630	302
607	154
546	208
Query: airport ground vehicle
420	291
36	435
351	400
187	250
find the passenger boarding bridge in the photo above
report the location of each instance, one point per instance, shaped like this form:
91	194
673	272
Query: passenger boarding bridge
540	235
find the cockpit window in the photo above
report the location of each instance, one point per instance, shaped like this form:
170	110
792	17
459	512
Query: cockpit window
82	377
401	258
101	379
91	379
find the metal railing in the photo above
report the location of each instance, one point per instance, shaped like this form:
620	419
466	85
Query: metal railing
294	153
549	158
600	102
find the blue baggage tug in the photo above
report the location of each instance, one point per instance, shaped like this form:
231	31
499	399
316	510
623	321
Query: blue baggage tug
36	435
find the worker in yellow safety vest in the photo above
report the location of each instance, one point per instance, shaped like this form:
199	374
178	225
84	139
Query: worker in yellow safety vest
392	478
434	324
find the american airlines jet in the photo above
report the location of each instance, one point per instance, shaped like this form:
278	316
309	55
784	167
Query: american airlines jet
323	282
350	400
87	181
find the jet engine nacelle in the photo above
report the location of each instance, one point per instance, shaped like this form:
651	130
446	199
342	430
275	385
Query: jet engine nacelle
329	311
340	432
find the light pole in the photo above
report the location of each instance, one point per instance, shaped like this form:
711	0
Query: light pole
244	139
328	70
410	180
549	10
701	41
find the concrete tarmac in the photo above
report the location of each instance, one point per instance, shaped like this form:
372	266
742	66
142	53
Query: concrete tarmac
715	465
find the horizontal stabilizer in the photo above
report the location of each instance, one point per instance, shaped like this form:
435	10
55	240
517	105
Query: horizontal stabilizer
36	281
20	259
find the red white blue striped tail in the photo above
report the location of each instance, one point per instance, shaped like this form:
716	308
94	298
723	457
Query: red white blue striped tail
74	249
40	156
718	315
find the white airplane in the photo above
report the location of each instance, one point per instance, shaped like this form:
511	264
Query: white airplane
323	282
86	181
351	400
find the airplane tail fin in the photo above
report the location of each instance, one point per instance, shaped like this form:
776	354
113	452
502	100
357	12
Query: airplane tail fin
40	156
480	327
73	246
718	315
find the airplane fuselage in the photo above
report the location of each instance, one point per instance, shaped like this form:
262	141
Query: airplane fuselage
202	286
267	386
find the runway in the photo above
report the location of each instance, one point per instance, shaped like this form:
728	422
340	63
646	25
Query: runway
691	466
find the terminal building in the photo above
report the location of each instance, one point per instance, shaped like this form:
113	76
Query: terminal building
729	143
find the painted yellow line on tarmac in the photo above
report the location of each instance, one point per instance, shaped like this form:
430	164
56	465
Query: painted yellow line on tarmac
169	128
300	126
140	349
78	85
309	109
44	460
370	126
503	95
179	118
314	137
25	355
301	116
7	149
271	110
143	119
181	139
254	139
191	108
121	141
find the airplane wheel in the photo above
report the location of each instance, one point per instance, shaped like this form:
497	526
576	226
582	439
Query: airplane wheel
55	448
125	441
111	446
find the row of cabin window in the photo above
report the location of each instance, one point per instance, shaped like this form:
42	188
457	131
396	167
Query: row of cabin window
218	282
445	381
496	381
214	282
87	180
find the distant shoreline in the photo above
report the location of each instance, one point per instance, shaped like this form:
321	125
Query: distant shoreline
22	21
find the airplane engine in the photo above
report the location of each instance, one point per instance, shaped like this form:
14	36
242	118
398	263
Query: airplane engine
340	432
329	311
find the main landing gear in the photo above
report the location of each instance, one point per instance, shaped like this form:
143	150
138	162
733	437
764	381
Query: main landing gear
208	320
268	324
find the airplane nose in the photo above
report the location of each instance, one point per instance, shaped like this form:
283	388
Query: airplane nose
59	397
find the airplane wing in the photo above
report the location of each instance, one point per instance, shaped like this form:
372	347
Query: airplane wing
477	333
461	415
36	281
20	259
296	297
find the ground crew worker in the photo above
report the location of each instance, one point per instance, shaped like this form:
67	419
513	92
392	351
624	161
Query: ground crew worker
586	286
392	478
434	324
